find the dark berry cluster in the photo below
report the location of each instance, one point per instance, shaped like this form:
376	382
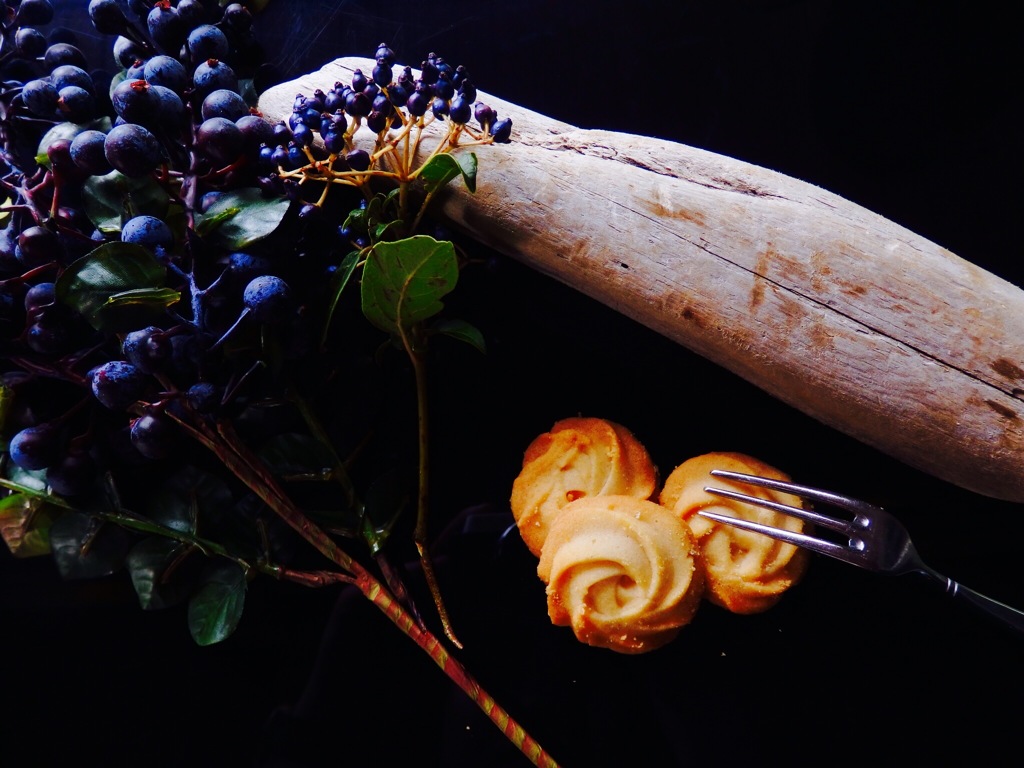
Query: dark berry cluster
172	385
115	303
172	274
395	107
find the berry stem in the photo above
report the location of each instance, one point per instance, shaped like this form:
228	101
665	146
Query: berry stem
423	494
247	467
455	671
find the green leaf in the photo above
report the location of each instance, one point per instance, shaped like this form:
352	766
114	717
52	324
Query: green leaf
6	399
25	524
153	299
190	494
356	220
404	281
463	331
111	199
214	611
241	217
441	169
116	80
295	453
209	222
32	481
386	498
85	548
113	268
151	563
389	231
339	280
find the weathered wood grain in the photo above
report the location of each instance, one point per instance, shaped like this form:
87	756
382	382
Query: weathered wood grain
831	308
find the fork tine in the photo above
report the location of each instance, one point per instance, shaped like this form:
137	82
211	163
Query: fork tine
806	492
811	516
790	537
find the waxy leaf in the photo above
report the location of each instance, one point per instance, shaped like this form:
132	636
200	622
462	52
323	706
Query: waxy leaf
339	280
187	496
441	169
151	564
110	200
85	548
25	524
463	331
114	268
67	131
6	400
214	611
294	453
153	299
384	502
239	218
404	281
30	481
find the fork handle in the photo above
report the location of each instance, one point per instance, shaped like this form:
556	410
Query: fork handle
1011	617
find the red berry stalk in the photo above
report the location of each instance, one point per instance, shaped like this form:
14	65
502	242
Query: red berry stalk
247	467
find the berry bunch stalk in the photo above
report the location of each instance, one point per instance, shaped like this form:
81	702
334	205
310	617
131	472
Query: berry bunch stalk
398	112
142	306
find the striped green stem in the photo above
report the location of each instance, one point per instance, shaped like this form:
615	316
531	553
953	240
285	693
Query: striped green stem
248	468
457	673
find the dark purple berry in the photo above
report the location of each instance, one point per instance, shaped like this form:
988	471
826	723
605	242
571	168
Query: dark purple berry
40	97
224	103
204	397
484	115
358	160
359	80
268	298
29	42
166	28
64	53
72	475
385	55
40	296
153	435
148	231
377	122
382	74
75	105
460	110
87	153
418	104
132	150
34	13
117	384
35	447
207	42
212	74
38	245
166	71
220	140
357	104
502	130
107	17
148	349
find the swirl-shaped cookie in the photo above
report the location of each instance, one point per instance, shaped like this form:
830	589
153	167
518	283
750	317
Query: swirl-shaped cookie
578	457
621	572
745	572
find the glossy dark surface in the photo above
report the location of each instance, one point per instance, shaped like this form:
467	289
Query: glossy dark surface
899	106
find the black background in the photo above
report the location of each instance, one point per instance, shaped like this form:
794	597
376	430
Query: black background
903	107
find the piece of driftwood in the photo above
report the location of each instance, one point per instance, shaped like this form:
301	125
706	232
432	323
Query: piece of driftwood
829	307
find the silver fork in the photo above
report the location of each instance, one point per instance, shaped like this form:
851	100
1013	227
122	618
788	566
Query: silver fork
876	541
